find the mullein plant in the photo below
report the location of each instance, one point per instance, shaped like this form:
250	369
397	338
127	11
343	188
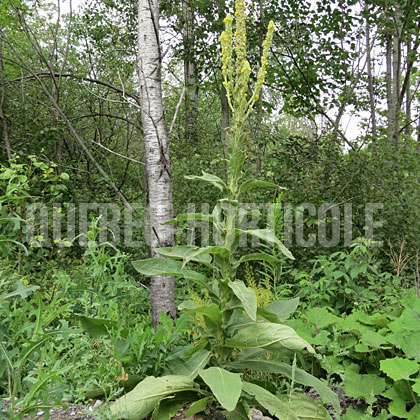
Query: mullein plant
215	371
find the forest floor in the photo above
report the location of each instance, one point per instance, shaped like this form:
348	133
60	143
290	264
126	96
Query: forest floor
78	412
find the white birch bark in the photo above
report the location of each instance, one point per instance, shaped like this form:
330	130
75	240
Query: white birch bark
156	142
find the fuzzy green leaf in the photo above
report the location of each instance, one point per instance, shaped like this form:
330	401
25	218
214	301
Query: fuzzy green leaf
167	267
269	336
183	252
305	407
247	296
197	407
226	386
270	402
143	399
251	184
300	377
284	308
210	178
268	236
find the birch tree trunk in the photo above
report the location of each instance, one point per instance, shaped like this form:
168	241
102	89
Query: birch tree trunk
156	142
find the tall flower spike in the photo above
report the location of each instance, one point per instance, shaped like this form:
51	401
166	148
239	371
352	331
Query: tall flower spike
226	42
240	40
264	61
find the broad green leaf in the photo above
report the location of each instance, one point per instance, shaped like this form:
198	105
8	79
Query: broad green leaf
272	337
169	407
372	338
352	414
378	319
212	179
241	412
398	408
251	184
270	402
167	267
183	252
259	256
268	315
205	251
299	375
305	407
321	317
268	236
408	341
142	400
363	386
284	308
247	296
210	311
226	386
414	413
197	406
416	386
96	327
398	368
237	321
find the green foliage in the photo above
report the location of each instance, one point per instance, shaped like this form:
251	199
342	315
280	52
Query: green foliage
375	356
343	280
234	324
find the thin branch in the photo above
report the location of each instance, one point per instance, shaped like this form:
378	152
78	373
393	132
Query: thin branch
176	111
77	77
100	114
117	154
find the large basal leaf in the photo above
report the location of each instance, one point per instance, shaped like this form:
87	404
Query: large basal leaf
167	267
247	296
306	408
284	308
183	252
398	368
270	402
300	377
272	337
226	386
210	178
143	399
251	184
269	236
169	407
241	412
